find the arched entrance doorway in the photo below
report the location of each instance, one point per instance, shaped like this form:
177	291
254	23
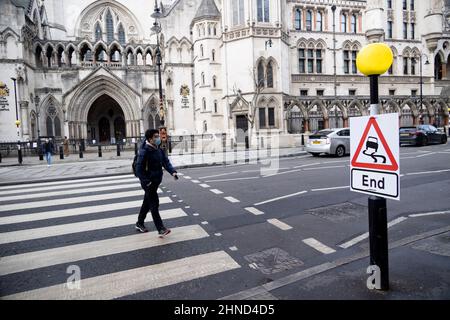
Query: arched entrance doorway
106	121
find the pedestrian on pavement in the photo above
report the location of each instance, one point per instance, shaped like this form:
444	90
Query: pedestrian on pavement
66	146
149	165
47	149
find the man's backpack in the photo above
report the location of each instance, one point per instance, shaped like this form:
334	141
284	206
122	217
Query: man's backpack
134	164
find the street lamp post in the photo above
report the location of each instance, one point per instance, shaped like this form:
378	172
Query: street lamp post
19	150
333	8
157	29
421	85
36	102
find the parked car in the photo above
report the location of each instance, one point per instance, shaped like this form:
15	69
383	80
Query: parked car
329	141
421	135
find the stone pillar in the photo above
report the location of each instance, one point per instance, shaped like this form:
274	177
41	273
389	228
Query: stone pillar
345	122
24	116
306	125
326	123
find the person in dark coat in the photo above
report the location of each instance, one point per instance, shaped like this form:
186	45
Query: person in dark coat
47	149
150	161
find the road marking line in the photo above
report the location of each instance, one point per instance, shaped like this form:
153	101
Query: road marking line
329	167
195	181
335	161
187	177
424	155
216	191
70	212
334	188
218	234
253	210
95	249
204	222
123	283
280	173
62	183
366	234
180	174
204	185
218	175
64	229
319	246
279	224
83	199
427	214
60	188
233	179
426	172
279	198
263	169
231	199
68	192
307	165
233	248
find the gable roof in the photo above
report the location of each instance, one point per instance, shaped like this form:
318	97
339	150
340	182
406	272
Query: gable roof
207	10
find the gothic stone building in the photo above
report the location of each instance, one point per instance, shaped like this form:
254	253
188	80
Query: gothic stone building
88	69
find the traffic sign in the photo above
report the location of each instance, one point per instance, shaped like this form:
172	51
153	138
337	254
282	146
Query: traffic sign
374	154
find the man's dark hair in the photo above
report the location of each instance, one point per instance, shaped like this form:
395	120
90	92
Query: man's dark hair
150	133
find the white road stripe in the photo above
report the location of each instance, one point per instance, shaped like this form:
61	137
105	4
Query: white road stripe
216	191
280	173
58	230
187	177
279	224
255	211
71	186
231	199
318	168
424	155
426	172
83	199
70	212
319	246
195	181
61	183
44	258
204	185
69	192
333	188
234	179
335	161
123	283
279	198
366	234
218	175
428	214
307	165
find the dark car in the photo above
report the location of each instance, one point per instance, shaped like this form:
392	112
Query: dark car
421	135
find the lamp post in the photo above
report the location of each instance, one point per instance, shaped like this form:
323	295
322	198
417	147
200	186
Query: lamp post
17	122
333	8
157	29
37	100
421	85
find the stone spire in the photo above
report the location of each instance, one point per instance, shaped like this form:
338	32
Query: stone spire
207	10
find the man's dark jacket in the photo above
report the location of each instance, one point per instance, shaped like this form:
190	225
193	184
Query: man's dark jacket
150	162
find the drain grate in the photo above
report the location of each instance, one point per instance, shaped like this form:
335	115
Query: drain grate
339	212
272	261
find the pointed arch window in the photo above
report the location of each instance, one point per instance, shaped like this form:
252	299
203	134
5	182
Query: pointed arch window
201	50
298	19
213	54
260	74
204	104
263	10
121	33
354	23
343	22
270	75
214	82
309	20
238	12
203	78
109	27
98	32
215	106
319	21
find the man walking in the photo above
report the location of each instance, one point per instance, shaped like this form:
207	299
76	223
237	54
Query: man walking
48	150
149	165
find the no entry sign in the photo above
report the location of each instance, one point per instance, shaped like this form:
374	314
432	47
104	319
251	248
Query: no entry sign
374	154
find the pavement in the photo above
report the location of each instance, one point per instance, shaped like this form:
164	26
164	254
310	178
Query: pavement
286	228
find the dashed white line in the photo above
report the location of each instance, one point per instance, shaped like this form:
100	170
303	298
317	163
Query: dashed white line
318	168
204	185
195	181
234	248
216	191
427	214
279	224
232	179
333	188
218	175
187	177
279	198
253	210
426	172
231	199
307	165
424	155
319	246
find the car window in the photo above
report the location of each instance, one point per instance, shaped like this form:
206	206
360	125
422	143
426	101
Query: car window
346	132
432	128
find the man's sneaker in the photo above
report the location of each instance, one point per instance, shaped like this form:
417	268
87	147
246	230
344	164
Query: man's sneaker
164	232
141	228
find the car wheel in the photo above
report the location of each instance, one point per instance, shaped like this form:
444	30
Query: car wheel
340	151
444	140
314	154
424	141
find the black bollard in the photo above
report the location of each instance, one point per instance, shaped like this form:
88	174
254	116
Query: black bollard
235	153
99	151
257	147
61	152
81	153
19	153
378	236
246	150
118	149
136	148
0	157
224	148
303	139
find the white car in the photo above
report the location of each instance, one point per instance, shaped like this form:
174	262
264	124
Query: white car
329	141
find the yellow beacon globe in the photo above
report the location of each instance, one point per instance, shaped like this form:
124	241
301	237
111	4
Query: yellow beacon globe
374	59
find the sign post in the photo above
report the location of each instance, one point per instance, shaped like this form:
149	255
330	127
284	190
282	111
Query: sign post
374	165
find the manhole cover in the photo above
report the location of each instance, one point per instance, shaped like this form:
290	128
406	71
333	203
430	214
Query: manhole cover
272	261
339	212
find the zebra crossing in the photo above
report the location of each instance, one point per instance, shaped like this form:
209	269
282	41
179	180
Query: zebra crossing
49	228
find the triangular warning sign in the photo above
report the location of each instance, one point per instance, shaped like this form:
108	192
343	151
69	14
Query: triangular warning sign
378	163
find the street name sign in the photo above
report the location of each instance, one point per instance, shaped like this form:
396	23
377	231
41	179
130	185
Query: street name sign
375	155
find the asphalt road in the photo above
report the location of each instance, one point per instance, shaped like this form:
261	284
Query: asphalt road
236	229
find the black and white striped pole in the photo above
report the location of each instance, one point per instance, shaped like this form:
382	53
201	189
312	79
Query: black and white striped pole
374	60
